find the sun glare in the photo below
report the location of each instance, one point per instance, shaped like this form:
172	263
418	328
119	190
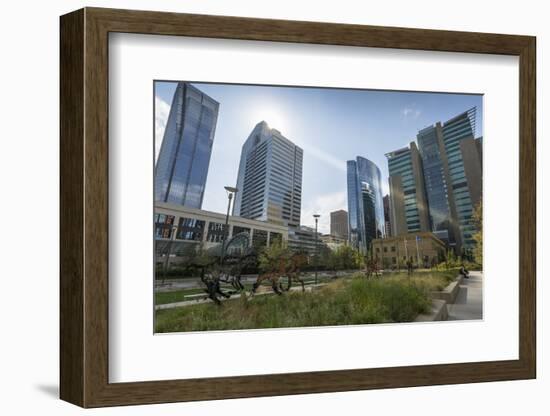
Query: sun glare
274	117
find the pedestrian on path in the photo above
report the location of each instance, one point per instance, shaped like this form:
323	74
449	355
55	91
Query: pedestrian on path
410	266
464	272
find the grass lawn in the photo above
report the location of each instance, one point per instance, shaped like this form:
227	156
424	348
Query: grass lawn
173	296
393	298
432	280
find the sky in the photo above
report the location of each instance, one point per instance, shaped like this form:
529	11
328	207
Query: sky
330	125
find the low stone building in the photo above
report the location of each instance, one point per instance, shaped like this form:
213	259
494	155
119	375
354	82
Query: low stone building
424	248
304	239
179	228
332	241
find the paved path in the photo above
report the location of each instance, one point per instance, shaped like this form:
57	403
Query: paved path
191	283
195	283
468	304
204	299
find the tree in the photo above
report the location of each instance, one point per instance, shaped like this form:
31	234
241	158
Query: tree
478	236
450	259
274	257
331	260
358	259
348	257
344	257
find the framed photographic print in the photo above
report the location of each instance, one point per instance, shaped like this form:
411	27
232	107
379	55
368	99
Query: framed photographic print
255	207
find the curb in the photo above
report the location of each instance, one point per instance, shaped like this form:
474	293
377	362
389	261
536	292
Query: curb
450	293
438	312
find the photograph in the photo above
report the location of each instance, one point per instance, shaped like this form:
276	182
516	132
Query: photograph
298	206
363	189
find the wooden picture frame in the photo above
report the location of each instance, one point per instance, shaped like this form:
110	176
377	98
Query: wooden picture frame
84	207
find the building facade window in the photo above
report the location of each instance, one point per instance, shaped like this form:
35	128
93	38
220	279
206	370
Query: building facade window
259	238
239	230
163	225
216	232
190	229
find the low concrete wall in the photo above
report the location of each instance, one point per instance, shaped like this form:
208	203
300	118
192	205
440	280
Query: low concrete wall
438	312
450	293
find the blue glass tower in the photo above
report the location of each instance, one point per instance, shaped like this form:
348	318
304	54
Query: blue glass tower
434	166
365	203
182	166
458	137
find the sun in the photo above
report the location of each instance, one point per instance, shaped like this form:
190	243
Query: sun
274	117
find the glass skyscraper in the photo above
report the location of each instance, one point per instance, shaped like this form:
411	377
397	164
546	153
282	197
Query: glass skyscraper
437	187
464	170
435	169
270	178
182	165
408	206
365	204
387	218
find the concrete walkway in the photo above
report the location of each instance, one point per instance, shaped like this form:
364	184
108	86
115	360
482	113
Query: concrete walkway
469	301
195	283
202	298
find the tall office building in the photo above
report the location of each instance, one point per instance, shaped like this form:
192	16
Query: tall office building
339	224
408	205
437	187
182	166
365	206
387	215
270	178
463	153
441	207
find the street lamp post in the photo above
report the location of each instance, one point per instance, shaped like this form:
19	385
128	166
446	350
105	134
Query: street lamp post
316	216
230	192
172	237
381	253
417	252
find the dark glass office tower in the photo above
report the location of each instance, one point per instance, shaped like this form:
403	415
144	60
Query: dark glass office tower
365	205
436	179
387	215
182	166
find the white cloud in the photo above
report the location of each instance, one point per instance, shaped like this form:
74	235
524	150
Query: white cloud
323	205
162	109
409	112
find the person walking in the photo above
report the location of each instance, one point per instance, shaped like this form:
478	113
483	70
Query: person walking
409	266
464	272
